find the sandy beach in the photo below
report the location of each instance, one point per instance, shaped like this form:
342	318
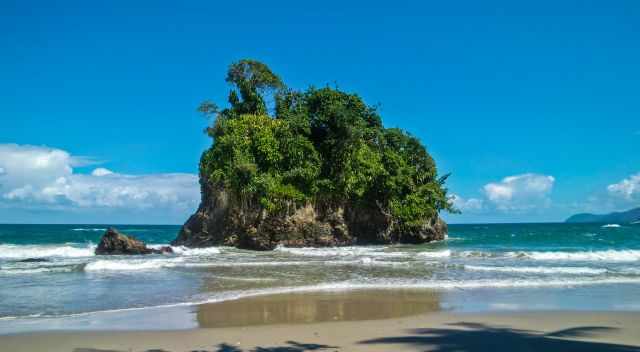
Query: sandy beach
353	321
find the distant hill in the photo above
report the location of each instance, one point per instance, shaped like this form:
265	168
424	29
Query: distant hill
626	217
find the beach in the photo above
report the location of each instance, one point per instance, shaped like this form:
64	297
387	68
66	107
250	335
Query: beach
349	321
499	287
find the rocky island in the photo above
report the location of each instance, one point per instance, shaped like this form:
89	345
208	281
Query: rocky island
310	168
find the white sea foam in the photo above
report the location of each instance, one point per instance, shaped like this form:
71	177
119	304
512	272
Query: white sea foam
475	254
246	264
611	225
157	264
374	285
633	271
490	283
249	279
369	262
10	251
27	271
17	252
185	251
96	229
538	270
366	261
436	254
132	264
629	255
372	251
192	251
603	255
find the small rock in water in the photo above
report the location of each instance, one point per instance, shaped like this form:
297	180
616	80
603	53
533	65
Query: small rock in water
114	242
164	250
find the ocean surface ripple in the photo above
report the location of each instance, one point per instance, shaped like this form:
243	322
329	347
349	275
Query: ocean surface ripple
59	260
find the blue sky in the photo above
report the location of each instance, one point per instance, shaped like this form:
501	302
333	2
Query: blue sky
534	108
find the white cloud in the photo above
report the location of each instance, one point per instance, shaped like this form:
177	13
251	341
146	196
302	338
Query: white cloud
467	205
101	172
513	195
627	189
520	192
620	196
44	177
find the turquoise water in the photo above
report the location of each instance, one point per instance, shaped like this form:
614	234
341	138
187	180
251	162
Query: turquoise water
479	267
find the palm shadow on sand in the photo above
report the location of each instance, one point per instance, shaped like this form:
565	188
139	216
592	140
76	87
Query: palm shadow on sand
463	337
291	346
460	337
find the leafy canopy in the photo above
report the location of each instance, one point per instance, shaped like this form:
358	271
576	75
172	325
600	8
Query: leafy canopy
319	145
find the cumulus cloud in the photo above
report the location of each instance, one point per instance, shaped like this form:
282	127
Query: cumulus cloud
627	189
468	204
520	192
513	195
43	177
101	172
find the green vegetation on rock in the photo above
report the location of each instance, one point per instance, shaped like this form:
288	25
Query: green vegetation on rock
319	146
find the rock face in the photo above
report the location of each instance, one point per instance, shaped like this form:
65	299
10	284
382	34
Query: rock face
222	220
114	242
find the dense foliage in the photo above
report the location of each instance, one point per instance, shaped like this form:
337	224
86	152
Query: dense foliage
322	146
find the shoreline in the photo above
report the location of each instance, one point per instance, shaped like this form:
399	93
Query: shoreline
337	321
307	305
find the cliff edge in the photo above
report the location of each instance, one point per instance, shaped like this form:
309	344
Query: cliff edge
221	220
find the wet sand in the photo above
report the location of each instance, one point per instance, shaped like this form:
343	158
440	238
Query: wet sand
317	307
352	321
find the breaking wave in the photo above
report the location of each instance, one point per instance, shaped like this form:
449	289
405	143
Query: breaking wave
352	251
181	250
610	255
131	265
629	255
10	251
538	270
436	254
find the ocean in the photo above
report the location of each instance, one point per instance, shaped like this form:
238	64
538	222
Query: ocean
50	271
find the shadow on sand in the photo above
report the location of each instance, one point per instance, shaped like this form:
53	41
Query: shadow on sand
460	337
463	337
291	346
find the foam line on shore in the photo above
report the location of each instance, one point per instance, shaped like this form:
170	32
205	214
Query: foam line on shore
350	286
538	270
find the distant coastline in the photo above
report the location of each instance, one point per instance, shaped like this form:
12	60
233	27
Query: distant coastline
626	217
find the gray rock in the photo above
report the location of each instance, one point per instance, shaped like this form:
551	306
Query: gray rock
223	220
114	242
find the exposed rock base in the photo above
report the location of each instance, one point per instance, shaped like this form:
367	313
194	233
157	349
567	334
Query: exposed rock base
114	242
222	220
